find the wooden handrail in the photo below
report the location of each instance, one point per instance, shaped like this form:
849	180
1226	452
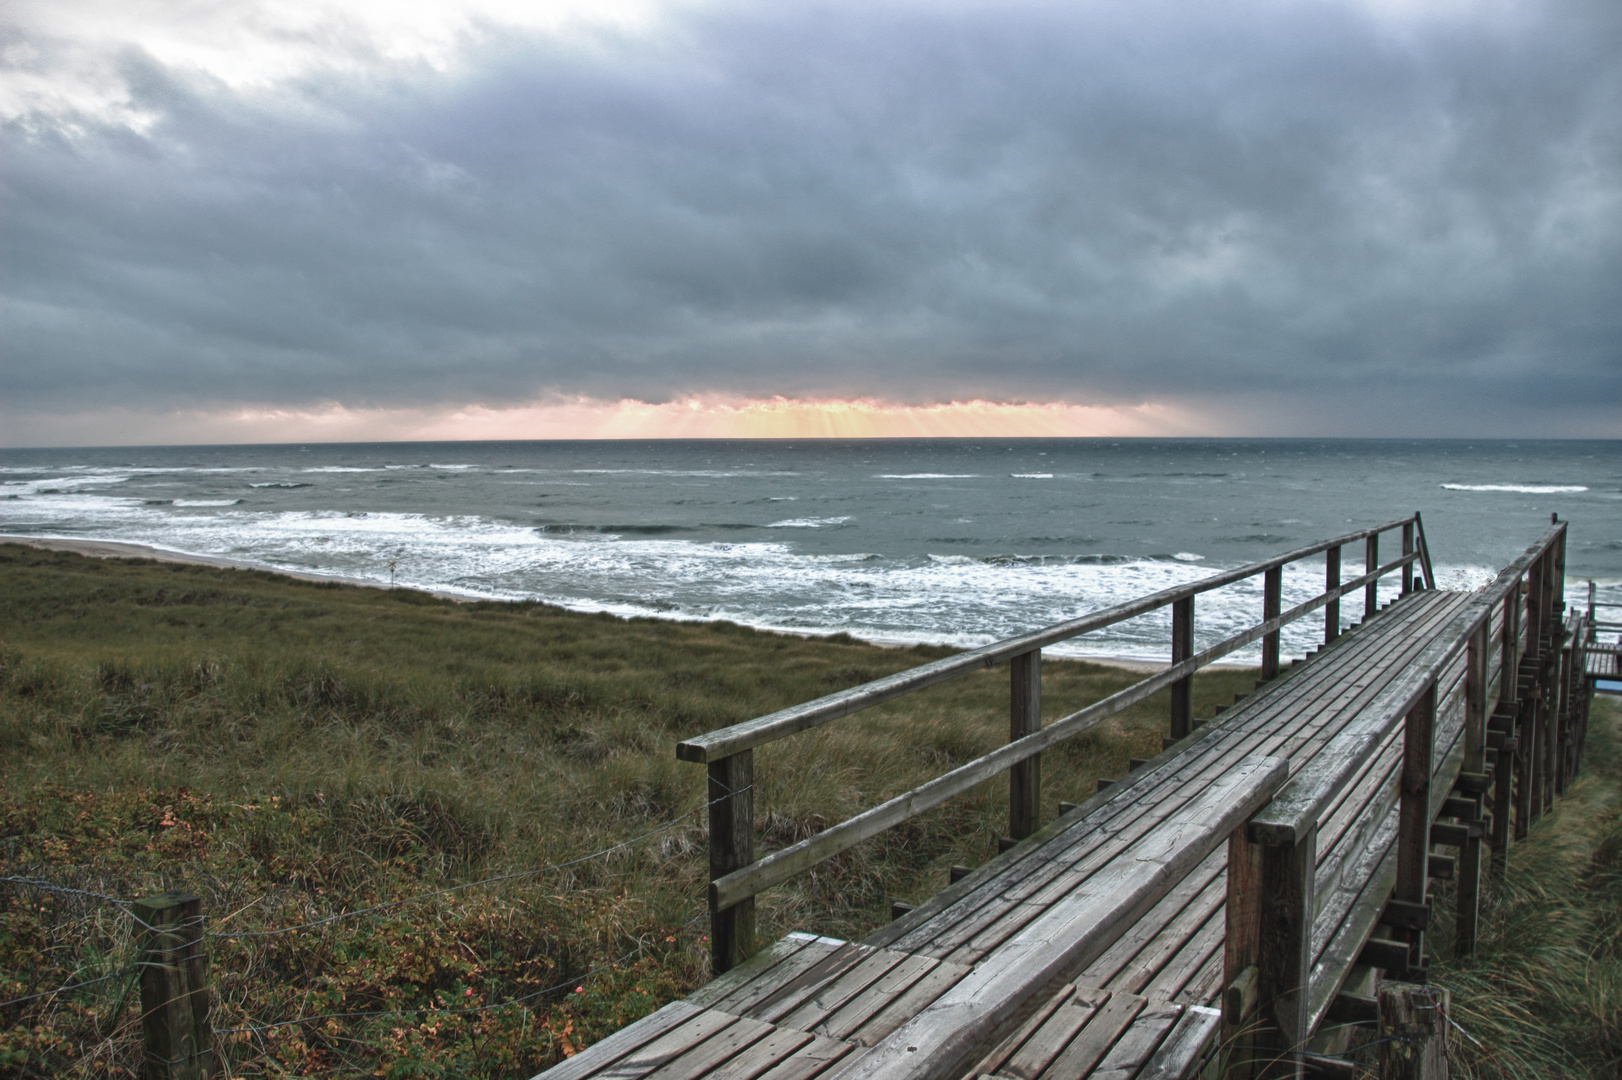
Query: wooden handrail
727	741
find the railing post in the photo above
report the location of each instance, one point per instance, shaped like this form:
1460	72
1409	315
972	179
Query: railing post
1414	813
1475	761
1371	563
1332	582
1280	937
1025	718
1182	647
1272	604
732	847
1407	550
1503	783
179	1040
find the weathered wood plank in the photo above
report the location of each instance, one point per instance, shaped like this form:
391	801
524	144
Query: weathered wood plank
936	982
763	965
1039	1016
1137	1044
830	996
790	994
1071	933
1094	1041
1191	1039
863	1007
812	1059
1038	1051
741	999
703	1059
761	1056
605	1052
666	1048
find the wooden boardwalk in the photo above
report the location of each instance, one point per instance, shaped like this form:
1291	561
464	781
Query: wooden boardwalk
1148	931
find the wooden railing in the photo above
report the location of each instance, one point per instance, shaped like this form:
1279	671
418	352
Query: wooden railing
737	876
1492	682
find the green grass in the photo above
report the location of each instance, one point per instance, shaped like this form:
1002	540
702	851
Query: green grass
289	750
1542	996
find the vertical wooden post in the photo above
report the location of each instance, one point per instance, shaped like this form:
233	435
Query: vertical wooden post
732	847
1371	563
1241	951
1414	811
179	1041
1407	549
1413	1031
1025	718
1507	775
1272	604
1182	647
1284	955
1332	582
1475	761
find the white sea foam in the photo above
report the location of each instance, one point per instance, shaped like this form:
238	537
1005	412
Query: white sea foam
808	523
928	476
1525	489
205	502
1188	556
1032	475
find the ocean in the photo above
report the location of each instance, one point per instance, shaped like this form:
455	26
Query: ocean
958	541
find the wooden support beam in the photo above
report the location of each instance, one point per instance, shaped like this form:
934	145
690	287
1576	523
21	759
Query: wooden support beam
1413	1031
1025	718
956	873
179	1041
1182	647
732	847
1407	549
1414	810
1371	563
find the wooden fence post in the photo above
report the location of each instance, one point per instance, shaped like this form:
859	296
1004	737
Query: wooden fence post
1182	647
1267	954
1407	550
1241	952
1371	563
1272	604
1332	581
1025	718
1414	814
732	847
1413	1031
179	1041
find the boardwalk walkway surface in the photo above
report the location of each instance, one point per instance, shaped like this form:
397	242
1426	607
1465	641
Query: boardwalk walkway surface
1110	942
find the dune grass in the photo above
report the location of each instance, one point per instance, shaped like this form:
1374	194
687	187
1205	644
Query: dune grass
290	750
1542	996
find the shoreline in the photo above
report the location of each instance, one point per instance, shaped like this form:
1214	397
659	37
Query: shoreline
126	549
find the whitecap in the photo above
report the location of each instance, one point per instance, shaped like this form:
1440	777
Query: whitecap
1188	556
206	502
1524	489
928	476
807	523
1032	475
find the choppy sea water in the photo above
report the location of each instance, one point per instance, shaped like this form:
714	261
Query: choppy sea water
951	541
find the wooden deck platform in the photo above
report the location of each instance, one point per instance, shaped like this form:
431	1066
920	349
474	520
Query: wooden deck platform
1010	948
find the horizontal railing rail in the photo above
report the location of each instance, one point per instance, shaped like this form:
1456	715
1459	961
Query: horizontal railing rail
736	876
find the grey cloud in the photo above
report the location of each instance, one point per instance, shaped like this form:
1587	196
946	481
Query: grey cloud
1104	204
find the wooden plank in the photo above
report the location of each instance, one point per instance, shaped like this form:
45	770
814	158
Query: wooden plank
760	966
1137	1044
1191	1039
605	1052
1133	960
1096	812
1090	1044
762	1055
741	999
864	1006
813	1058
703	1059
920	994
1192	956
1056	881
1142	813
831	995
666	1048
791	994
1039	1050
1071	933
1016	1038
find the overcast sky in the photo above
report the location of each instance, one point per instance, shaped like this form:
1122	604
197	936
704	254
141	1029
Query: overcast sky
1254	216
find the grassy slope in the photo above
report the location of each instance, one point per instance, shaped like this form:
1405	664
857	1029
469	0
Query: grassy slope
1542	997
289	750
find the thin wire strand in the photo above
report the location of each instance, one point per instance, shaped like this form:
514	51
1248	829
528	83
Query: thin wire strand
64	989
47	886
474	884
444	1011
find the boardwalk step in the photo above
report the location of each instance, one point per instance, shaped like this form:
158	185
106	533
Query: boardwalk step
1441	866
898	909
957	873
1105	785
1455	835
1457	807
1405	915
1473	783
1066	807
1389	956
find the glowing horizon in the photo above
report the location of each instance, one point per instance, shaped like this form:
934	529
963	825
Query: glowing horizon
587	418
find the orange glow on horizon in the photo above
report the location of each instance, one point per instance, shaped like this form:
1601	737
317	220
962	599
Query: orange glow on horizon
588	418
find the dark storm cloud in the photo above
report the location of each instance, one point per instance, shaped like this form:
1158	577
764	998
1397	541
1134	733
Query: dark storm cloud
1360	215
